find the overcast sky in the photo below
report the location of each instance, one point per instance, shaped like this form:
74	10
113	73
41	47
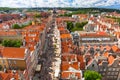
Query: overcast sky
60	3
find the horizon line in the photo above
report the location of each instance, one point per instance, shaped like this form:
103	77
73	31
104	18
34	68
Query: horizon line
64	7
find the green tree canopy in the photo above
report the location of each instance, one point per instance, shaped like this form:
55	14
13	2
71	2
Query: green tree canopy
70	26
11	43
92	75
16	26
77	27
37	15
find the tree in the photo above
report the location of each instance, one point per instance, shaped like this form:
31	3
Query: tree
77	27
70	26
16	26
80	25
37	15
11	43
92	75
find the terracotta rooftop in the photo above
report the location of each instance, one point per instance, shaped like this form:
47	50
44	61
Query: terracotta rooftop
8	76
10	52
65	36
110	59
68	57
106	54
8	33
66	75
115	48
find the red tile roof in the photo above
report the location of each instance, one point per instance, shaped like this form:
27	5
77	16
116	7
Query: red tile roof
115	48
106	54
68	57
80	58
10	52
110	59
8	76
65	66
65	36
8	33
66	75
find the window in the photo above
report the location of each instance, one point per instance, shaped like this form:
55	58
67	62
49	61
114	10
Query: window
110	69
93	65
101	70
109	73
14	62
3	61
104	69
116	73
15	67
9	61
10	66
112	73
117	69
113	69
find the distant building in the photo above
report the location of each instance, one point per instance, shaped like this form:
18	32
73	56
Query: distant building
96	38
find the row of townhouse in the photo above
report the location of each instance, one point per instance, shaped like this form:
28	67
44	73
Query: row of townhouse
94	38
7	17
102	23
97	47
113	14
9	24
22	61
103	50
103	58
71	63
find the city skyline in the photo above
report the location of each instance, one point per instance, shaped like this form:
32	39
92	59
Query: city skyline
60	3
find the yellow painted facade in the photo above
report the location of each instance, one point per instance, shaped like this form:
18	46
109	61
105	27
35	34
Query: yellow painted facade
13	63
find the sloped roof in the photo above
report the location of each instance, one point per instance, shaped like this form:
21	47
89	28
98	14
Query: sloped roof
66	75
11	52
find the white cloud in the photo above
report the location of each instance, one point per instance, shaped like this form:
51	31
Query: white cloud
58	3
